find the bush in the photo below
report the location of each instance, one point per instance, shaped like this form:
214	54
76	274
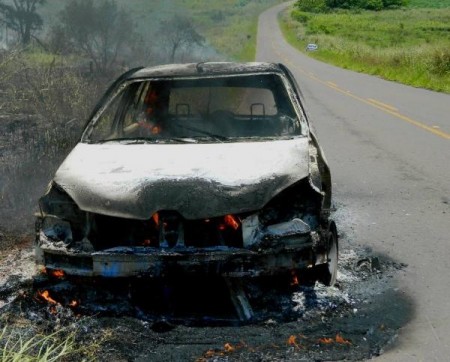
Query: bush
300	16
374	5
312	6
44	106
321	6
440	62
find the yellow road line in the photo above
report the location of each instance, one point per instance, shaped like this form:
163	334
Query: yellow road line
333	84
388	106
371	102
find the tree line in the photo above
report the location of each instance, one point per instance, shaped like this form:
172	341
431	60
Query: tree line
322	6
100	30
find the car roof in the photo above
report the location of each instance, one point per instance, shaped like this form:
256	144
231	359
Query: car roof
205	69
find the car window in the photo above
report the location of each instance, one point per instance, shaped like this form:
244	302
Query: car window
103	129
212	108
238	100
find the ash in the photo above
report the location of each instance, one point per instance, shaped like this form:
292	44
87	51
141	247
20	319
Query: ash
166	321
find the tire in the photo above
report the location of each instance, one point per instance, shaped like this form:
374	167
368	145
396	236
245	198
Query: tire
327	273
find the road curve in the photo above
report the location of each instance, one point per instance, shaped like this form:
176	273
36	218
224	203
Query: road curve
388	146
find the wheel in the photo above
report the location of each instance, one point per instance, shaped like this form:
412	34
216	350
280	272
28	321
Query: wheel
327	273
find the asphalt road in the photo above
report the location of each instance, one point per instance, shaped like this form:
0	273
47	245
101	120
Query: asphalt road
388	146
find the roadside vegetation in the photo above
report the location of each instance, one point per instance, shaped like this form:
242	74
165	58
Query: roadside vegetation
230	25
56	59
410	44
16	345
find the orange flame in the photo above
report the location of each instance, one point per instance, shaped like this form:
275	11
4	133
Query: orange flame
294	281
155	218
342	340
228	348
339	339
292	341
46	296
326	340
231	221
56	273
74	303
156	130
209	353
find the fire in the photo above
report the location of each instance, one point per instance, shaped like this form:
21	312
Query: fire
228	348
342	340
339	339
292	341
74	303
156	130
56	273
46	296
294	281
231	221
155	218
210	353
326	340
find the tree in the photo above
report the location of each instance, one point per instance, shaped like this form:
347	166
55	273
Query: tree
100	30
322	6
395	3
178	32
312	6
22	17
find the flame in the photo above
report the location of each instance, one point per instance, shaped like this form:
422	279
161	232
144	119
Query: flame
231	221
46	296
156	130
209	353
155	218
74	303
228	348
326	340
56	273
339	339
292	341
342	340
294	281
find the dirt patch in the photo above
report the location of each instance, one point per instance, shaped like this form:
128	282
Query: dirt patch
357	319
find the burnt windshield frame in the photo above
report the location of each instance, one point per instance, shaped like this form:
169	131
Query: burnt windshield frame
272	81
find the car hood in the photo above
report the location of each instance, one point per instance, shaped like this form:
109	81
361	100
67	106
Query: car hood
197	180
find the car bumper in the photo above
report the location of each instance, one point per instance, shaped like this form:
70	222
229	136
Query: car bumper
156	262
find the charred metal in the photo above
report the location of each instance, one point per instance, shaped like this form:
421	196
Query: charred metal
223	176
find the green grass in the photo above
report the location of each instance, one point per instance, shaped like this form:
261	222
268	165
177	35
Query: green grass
411	46
439	4
230	25
38	348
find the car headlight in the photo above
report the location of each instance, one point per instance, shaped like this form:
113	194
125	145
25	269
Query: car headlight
57	229
60	218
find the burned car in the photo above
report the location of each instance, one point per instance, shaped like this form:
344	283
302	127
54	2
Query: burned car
203	168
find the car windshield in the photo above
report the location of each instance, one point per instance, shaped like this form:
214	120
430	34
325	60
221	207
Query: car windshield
210	109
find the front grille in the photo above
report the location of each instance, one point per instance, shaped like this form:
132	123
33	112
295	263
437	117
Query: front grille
168	229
